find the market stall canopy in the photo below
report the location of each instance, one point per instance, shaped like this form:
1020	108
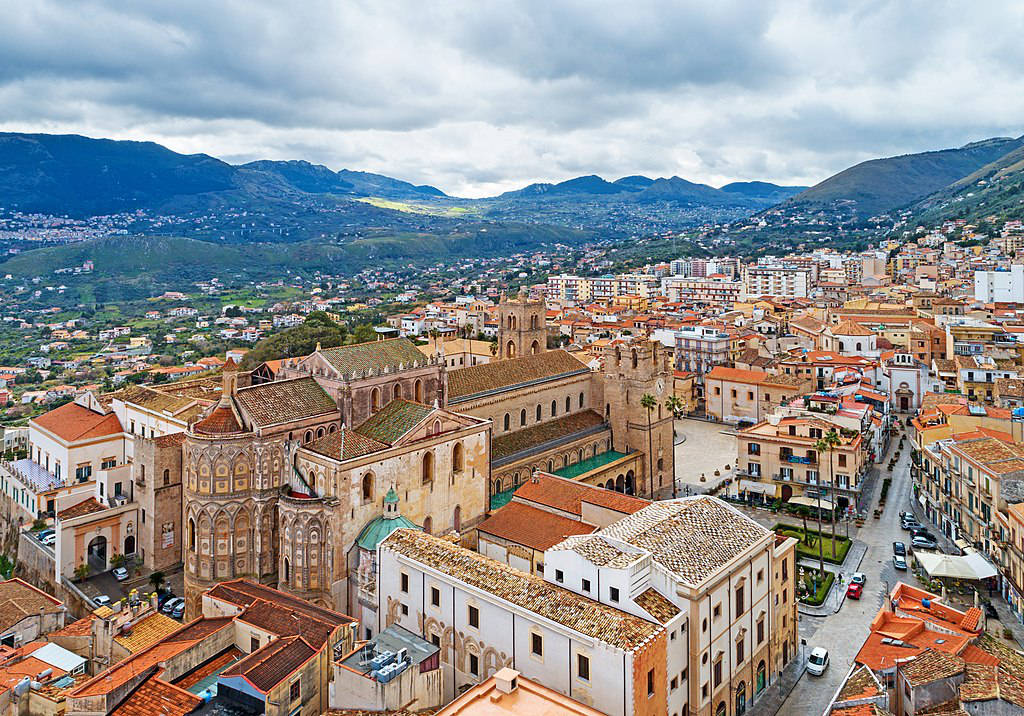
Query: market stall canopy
970	566
811	502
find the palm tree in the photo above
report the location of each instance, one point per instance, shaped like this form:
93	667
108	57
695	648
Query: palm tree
648	402
832	440
676	407
494	348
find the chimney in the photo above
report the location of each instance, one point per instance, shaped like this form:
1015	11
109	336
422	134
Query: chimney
506	680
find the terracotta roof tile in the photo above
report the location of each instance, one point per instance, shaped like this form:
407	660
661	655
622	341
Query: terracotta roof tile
751	377
220	421
542	433
283	401
268	666
155	697
80	627
85	507
19	599
531	526
394	420
72	422
148	631
467	383
657	605
376	356
932	665
571	610
569	495
354	444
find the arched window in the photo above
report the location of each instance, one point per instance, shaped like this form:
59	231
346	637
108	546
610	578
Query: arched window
457	457
287	571
418	391
538	413
167	477
554	408
427	524
551	465
457	518
581	400
508	422
436	428
428	467
535	348
568	404
375	400
633	357
522	417
510	349
308	437
320	432
533	322
858	345
368	487
191	534
332	428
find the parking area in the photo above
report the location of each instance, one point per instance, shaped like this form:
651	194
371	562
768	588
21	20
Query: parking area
701	448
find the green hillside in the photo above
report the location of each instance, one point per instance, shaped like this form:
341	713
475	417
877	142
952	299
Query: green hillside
881	185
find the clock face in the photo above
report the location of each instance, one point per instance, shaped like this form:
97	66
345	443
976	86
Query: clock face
660	386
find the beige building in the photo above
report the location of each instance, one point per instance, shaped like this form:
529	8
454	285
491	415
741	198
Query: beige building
778	458
507	693
735	395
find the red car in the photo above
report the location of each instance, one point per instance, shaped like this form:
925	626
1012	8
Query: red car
854	590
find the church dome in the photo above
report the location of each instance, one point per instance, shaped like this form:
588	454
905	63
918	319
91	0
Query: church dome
378	529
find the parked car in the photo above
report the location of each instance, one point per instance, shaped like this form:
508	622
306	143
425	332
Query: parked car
170	604
164	597
923	543
179	610
899	563
922	532
49	540
120	574
990	611
911	524
904	515
859	578
817	662
101	600
43	534
899	548
854	590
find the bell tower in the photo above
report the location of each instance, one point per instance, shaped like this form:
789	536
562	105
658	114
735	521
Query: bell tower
632	372
521	330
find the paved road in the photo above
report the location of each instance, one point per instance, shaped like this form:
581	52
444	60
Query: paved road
844	632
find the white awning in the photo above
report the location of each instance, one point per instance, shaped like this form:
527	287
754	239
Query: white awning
761	487
811	502
970	566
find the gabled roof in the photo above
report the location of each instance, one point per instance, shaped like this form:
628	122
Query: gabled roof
72	422
394	420
268	666
542	433
569	495
155	697
499	376
376	356
531	526
284	401
243	593
19	599
346	444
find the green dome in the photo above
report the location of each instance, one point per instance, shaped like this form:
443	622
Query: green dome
377	530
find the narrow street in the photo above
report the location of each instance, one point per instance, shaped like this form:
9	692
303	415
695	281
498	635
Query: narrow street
843	633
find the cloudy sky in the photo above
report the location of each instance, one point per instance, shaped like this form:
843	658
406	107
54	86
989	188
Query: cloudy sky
481	96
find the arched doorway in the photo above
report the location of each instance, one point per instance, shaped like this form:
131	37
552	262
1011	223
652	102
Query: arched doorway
620	484
785	653
510	349
534	348
457	518
761	674
787	492
630	485
97	553
741	698
720	711
129	545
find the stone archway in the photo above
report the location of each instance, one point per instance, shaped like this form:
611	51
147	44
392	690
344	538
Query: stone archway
129	545
97	554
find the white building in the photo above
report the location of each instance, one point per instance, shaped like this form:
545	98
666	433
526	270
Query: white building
1000	286
777	280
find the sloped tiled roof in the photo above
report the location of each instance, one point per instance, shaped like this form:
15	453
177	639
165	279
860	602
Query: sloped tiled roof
375	355
549	601
355	445
283	401
71	422
220	421
20	599
932	665
531	526
394	420
655	604
265	668
148	631
85	507
497	376
155	697
569	495
243	592
542	433
692	537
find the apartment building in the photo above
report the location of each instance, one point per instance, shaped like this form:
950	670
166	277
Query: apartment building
698	349
977	375
779	458
1000	286
961	482
775	280
734	395
715	291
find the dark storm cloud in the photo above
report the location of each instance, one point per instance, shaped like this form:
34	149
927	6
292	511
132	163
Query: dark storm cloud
479	97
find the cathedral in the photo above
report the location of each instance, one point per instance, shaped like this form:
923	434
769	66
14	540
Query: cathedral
295	475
